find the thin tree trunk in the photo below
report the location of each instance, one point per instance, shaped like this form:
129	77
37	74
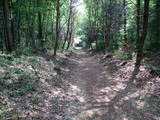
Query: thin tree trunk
104	32
70	37
8	39
68	25
27	32
1	36
32	32
13	34
158	19
40	34
125	23
95	27
69	41
138	20
13	29
71	33
57	26
64	43
18	27
109	25
143	36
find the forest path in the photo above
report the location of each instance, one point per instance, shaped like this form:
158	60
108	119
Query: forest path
88	81
92	89
98	93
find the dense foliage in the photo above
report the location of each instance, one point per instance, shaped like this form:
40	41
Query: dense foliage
120	26
36	24
116	21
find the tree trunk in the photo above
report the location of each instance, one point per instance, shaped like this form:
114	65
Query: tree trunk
57	26
64	43
13	34
68	25
69	40
18	27
8	39
143	36
70	37
95	25
138	20
109	24
158	19
104	32
71	33
40	34
125	25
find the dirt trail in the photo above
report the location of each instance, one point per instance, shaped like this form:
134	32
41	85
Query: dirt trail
97	95
87	80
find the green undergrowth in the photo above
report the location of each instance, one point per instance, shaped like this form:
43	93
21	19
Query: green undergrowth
22	86
14	78
153	64
123	54
71	49
20	75
18	87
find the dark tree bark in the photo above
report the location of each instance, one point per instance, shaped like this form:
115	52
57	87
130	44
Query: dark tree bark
57	26
109	24
138	20
1	36
64	43
71	33
13	34
1	32
95	13
27	32
125	25
143	36
18	27
158	19
40	29
70	39
8	34
40	33
104	38
68	25
33	42
13	26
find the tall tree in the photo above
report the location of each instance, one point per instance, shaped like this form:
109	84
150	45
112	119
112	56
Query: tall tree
68	24
109	24
125	24
40	30
143	35
138	5
71	32
158	19
57	26
8	33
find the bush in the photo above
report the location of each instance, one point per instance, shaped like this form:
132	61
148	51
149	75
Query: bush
124	54
22	86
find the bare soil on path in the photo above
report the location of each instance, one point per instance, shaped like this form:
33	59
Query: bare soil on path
105	91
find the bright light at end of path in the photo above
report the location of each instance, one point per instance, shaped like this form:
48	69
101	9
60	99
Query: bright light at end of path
77	40
81	7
